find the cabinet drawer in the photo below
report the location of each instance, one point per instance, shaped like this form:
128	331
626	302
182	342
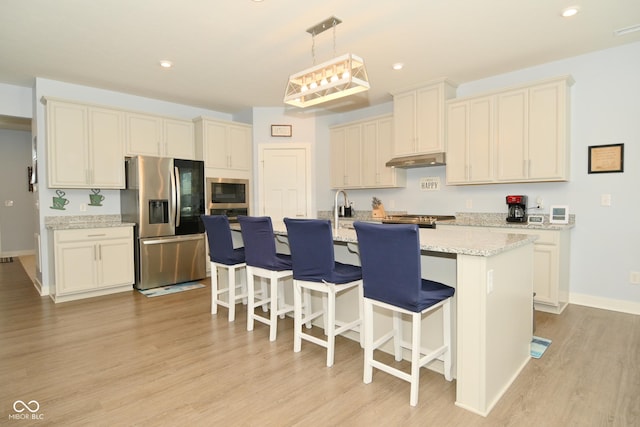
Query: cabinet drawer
92	234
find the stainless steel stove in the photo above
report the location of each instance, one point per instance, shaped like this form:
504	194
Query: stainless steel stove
423	221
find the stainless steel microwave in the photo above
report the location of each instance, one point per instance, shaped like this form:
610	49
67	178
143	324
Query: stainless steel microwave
229	196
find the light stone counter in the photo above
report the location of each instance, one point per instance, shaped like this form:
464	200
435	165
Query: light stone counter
84	221
498	220
464	242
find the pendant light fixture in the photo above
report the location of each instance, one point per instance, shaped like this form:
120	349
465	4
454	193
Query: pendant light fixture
342	76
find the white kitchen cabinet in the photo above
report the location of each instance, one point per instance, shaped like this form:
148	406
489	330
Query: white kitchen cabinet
227	147
470	141
551	254
346	157
515	135
420	118
532	134
85	146
151	135
359	152
92	262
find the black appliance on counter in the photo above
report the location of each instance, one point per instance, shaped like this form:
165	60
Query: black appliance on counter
423	221
517	208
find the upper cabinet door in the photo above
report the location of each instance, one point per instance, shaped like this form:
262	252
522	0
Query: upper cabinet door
178	139
511	136
144	134
548	154
106	133
67	145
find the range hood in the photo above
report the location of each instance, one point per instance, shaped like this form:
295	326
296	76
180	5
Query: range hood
417	161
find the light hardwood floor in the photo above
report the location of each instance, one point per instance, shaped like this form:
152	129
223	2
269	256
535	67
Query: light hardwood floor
130	360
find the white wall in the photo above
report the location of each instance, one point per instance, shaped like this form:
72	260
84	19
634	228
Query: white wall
16	221
605	110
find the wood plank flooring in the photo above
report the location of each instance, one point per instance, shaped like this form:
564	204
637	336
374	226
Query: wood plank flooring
130	360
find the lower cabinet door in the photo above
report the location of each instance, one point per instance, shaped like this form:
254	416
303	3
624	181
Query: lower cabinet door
75	267
115	265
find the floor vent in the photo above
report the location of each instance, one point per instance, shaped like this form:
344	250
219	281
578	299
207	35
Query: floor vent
6	259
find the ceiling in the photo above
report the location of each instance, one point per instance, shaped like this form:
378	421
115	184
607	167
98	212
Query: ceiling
230	55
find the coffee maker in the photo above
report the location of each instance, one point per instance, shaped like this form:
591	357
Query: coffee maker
517	208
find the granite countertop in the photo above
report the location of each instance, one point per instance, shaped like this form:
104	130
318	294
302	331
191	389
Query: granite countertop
464	242
498	220
84	221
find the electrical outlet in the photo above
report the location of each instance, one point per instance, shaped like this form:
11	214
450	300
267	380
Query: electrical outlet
83	207
469	204
634	277
539	203
605	200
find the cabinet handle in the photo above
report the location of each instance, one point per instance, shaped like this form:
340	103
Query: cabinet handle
469	172
99	252
96	235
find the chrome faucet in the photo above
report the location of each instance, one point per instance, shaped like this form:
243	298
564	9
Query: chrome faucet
335	207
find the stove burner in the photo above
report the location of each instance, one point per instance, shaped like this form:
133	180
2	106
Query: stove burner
423	221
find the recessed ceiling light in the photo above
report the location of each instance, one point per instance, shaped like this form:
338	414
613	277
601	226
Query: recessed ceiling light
570	11
166	63
398	66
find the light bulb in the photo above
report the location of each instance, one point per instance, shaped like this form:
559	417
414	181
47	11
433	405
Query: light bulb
313	85
323	81
334	78
345	75
304	88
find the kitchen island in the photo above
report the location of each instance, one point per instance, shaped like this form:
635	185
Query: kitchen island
493	278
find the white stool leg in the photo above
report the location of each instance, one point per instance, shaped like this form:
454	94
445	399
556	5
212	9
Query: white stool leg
297	316
273	315
250	298
231	275
281	302
307	306
265	295
330	316
415	357
214	289
360	314
368	341
397	335
325	323
446	321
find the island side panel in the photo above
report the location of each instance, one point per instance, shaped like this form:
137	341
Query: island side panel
494	325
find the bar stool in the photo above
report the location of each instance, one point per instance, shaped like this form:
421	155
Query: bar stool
223	256
263	261
315	269
390	256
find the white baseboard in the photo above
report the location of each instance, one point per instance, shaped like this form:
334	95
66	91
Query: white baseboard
622	306
16	254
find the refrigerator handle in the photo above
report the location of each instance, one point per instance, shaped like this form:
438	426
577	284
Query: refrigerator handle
177	202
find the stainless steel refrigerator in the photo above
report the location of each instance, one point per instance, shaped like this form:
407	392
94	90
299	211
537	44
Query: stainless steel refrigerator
165	198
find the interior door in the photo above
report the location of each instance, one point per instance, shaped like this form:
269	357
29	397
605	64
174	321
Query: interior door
285	182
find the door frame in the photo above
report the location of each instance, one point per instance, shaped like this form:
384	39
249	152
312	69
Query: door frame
307	147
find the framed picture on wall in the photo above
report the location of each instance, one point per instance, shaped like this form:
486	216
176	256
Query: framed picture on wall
281	130
606	158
